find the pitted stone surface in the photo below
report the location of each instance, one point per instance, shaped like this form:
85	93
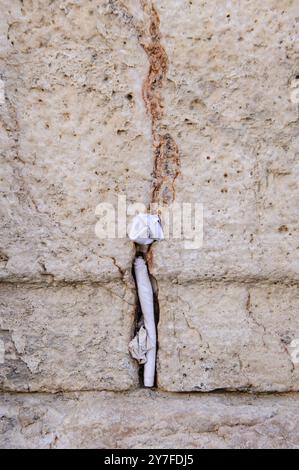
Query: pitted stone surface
149	420
229	107
226	336
74	134
77	128
67	338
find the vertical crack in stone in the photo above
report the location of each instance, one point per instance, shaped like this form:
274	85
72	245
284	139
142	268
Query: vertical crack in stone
157	316
166	158
166	167
165	149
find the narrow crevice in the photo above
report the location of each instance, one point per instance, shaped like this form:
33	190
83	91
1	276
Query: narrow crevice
165	149
157	317
138	317
41	283
141	251
166	158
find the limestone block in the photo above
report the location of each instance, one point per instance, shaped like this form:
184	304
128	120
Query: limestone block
228	103
67	338
149	420
228	336
74	134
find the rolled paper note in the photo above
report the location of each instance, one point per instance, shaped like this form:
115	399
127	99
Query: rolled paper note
146	298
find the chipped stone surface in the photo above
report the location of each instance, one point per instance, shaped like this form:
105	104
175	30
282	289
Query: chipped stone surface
229	108
227	336
74	133
149	420
67	338
185	100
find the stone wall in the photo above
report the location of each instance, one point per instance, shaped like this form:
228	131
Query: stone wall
170	100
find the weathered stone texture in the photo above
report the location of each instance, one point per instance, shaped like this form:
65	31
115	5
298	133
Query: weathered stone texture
67	338
228	104
227	336
74	134
84	102
149	420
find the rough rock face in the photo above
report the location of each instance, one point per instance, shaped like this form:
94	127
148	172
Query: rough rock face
237	131
184	101
67	338
228	336
232	69
149	420
74	128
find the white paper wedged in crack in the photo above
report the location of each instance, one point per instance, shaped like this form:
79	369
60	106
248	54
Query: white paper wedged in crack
145	229
140	345
146	299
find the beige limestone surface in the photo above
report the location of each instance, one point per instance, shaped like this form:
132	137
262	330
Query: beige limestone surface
147	419
190	101
67	338
228	336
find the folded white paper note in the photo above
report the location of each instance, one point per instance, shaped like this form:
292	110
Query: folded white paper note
145	229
